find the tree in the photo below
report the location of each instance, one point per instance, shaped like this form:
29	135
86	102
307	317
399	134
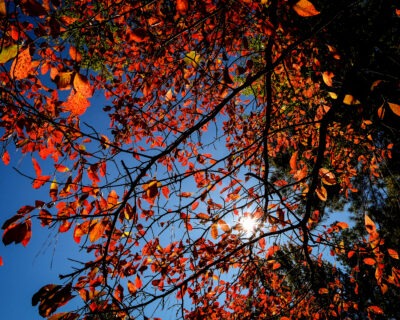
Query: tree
219	114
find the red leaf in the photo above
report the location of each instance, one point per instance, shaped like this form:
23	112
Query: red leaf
18	233
40	181
1	261
182	6
393	253
293	162
195	205
261	242
6	158
375	309
369	261
37	168
138	282
165	191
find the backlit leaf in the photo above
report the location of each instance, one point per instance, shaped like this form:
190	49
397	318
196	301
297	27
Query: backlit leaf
6	158
18	233
393	253
22	65
350	100
182	6
131	287
395	108
369	261
54	190
7	53
224	226
76	103
214	231
82	85
97	230
40	181
369	225
321	193
63	80
375	309
305	8
327	77
112	199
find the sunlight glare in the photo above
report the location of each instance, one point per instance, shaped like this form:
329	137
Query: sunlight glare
248	224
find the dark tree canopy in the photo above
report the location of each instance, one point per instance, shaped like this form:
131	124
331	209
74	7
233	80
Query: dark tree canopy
233	159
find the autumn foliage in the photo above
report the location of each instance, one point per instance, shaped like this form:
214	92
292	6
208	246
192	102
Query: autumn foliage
160	127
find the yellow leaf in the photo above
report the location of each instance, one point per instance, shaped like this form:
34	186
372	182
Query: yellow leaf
350	100
7	53
305	8
369	225
333	95
395	108
192	58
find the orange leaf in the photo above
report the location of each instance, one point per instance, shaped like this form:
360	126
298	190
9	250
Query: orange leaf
350	100
342	225
327	177
369	225
293	161
305	8
131	287
3	13
223	225
74	54
395	108
76	103
82	85
195	205
112	199
214	231
323	291
393	253
321	193
375	309
63	80
261	242
37	168
22	65
381	112
185	194
369	261
96	230
327	77
203	216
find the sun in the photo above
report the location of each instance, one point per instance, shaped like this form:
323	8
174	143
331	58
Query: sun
248	225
